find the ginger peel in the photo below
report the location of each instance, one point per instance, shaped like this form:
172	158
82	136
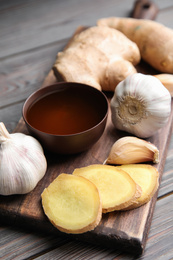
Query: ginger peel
100	57
152	49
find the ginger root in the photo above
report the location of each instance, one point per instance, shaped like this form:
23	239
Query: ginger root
153	39
167	81
117	189
72	204
100	57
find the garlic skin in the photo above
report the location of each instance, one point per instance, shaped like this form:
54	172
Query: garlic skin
22	162
129	149
141	105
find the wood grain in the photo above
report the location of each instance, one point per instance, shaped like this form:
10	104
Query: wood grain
19	244
20	36
54	21
128	229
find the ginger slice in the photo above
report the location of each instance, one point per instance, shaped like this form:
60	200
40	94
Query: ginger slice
117	189
146	176
72	204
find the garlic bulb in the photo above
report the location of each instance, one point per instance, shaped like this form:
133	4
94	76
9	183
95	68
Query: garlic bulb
22	162
141	105
129	149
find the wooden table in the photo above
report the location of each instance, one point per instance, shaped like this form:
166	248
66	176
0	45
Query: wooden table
31	34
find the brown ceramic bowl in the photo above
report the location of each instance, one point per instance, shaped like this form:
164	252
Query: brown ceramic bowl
66	117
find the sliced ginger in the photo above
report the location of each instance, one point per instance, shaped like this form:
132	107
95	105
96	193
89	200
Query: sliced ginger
117	189
72	204
146	176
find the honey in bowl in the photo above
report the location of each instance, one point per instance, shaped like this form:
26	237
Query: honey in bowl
64	112
66	117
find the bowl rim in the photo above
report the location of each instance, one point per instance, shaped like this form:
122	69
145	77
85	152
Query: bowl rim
64	83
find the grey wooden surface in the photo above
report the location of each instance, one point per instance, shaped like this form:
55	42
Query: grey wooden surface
31	34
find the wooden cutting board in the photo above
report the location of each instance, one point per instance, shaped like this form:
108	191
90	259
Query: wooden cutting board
126	231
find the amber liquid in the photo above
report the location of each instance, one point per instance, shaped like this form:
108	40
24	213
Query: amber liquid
64	113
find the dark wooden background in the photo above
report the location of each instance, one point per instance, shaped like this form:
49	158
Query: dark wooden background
31	34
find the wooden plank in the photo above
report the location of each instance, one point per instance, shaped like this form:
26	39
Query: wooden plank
165	16
11	115
117	228
25	202
166	185
159	244
17	244
22	74
57	21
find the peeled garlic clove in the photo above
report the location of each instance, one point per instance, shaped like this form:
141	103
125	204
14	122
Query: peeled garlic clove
167	81
141	105
22	162
127	150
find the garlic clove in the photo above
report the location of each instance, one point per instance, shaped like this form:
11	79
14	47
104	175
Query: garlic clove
167	81
127	150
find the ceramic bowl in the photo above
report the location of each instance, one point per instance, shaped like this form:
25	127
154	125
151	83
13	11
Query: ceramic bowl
66	117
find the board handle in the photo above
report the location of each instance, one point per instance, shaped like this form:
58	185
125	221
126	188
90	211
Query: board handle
145	9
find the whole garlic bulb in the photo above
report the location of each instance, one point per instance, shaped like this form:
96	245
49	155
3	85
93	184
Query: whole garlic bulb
141	105
22	162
